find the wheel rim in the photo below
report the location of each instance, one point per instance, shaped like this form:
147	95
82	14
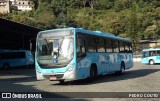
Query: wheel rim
151	62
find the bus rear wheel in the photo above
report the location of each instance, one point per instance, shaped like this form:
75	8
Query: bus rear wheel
122	70
151	62
93	74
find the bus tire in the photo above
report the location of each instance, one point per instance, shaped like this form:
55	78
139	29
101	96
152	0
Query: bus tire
61	81
151	62
6	66
93	73
122	70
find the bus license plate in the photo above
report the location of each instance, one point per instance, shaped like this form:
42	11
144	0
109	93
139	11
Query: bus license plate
53	78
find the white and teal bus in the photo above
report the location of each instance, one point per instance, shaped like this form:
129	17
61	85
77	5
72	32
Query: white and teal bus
76	53
15	58
151	56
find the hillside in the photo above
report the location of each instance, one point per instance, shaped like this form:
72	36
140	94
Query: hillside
134	19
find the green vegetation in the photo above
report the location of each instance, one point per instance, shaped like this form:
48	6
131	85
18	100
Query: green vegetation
134	19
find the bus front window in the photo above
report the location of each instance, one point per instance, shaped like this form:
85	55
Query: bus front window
54	52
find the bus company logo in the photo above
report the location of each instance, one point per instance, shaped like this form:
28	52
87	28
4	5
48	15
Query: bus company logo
6	95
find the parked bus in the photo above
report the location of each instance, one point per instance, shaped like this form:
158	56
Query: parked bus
76	53
151	56
14	58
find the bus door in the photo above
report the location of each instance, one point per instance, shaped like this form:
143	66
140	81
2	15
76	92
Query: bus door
82	60
144	57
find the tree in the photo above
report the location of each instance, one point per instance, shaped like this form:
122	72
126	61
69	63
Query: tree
132	27
151	32
116	26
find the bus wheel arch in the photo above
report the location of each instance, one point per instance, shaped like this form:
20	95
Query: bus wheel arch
93	72
151	62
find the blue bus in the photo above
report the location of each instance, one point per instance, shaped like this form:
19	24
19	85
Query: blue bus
76	53
14	58
151	56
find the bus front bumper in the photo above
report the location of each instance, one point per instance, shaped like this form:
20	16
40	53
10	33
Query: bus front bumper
68	75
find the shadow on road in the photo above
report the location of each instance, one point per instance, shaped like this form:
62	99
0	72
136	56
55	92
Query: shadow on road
27	71
15	81
113	77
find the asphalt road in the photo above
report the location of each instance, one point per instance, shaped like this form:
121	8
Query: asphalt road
140	78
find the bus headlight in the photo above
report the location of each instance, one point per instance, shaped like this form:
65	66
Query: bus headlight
70	68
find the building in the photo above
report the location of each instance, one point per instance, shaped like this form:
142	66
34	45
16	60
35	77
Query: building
5	6
12	2
24	5
149	43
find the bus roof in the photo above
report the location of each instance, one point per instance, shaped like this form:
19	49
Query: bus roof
103	34
151	49
96	33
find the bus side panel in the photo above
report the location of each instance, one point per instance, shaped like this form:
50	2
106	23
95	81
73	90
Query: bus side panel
17	62
145	60
106	63
128	60
157	59
83	67
29	58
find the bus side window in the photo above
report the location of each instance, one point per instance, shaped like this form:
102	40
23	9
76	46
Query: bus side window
91	43
121	46
152	53
115	46
158	52
81	46
100	45
108	45
127	47
130	48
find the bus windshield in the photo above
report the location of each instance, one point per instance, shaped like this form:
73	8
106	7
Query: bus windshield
54	51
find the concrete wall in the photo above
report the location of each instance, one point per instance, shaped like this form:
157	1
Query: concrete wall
5	6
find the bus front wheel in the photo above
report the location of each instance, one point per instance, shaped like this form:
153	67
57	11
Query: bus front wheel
151	62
